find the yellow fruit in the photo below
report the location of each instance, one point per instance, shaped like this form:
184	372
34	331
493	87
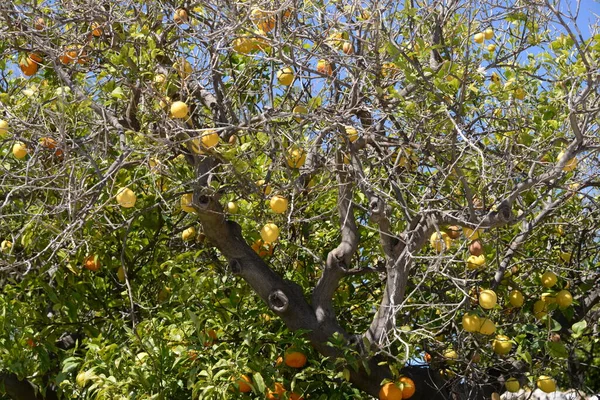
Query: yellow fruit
126	197
540	309
285	76
488	33
491	48
267	189
475	262
471	322
516	298
548	298
549	279
570	165
263	20
244	45
564	298
296	157
512	385
472	234
546	384
488	299
186	203
279	204
269	233
324	67
210	139
451	356
188	234
440	241
487	327
184	69
5	246
159	79
180	16
3	127
479	38
502	345
352	133
179	109
232	207
390	391
300	109
19	150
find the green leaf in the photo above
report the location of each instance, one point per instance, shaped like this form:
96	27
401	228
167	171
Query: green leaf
578	328
557	349
259	383
117	93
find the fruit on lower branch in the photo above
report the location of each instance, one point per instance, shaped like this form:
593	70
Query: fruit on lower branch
502	345
475	248
186	203
179	110
471	322
540	309
232	207
440	241
546	384
279	204
564	298
188	234
295	359
390	391
487	327
210	139
324	67
269	233
488	299
19	150
549	279
515	298
126	197
512	385
475	262
285	76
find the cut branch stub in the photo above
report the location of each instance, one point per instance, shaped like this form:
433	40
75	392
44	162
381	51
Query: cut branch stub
278	301
235	266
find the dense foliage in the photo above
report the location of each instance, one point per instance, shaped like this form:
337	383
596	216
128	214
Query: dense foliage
404	139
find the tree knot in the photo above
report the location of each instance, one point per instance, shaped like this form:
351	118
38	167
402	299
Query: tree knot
278	301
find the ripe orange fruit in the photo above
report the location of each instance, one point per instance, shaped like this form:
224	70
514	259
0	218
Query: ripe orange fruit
68	56
92	263
408	387
390	391
244	383
48	142
29	65
427	358
324	67
277	392
295	359
262	249
96	29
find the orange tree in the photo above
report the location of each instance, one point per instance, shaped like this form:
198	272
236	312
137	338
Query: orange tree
220	199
